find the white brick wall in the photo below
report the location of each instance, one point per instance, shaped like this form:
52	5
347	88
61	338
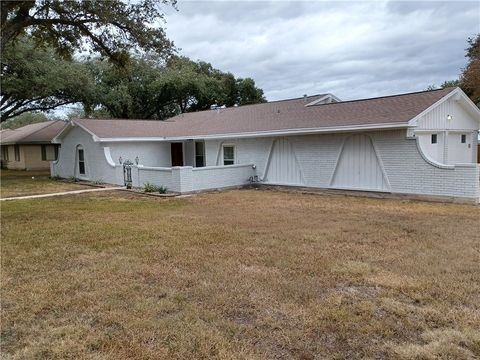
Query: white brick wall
221	176
405	168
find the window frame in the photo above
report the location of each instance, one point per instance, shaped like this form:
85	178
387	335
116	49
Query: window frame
5	152
234	152
81	161
44	152
200	156
16	150
434	139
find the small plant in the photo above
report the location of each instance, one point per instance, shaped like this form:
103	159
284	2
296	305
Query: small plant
149	187
162	189
55	178
73	179
98	182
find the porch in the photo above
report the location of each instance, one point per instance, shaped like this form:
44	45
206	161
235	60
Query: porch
185	179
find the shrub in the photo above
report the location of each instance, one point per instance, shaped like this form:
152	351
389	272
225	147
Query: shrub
55	178
149	188
73	179
98	182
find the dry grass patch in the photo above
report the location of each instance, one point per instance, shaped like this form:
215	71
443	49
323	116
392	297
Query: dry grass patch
239	274
21	183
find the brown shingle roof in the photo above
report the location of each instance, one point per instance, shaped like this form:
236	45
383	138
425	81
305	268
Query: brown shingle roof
274	116
37	133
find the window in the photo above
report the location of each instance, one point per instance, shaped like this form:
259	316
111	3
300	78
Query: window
434	138
5	152
81	162
228	155
199	154
17	152
44	152
464	138
49	152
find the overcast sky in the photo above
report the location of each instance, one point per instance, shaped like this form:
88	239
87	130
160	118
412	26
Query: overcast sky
351	49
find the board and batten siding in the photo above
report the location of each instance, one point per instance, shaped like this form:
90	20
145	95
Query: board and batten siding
358	166
282	164
396	163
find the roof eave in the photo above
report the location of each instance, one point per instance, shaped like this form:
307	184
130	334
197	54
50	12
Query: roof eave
269	133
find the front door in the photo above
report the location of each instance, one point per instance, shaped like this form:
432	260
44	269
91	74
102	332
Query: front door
177	154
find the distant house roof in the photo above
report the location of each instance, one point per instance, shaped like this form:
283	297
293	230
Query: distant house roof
276	117
39	133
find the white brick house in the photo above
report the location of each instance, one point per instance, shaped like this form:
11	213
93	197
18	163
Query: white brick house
422	143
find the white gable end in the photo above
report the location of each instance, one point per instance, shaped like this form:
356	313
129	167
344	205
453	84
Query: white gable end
453	114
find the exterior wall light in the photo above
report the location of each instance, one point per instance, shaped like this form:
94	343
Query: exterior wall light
254	166
449	117
120	160
137	160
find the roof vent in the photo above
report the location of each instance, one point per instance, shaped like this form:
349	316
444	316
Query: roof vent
304	97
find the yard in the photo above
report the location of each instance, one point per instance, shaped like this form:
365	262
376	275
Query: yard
250	274
21	183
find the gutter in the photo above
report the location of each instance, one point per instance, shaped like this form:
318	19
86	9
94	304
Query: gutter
269	133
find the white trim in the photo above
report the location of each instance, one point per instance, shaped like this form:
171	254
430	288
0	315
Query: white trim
380	162
428	131
338	159
431	161
283	132
414	121
267	163
108	156
457	95
326	96
222	167
195	153
84	176
156	168
234	153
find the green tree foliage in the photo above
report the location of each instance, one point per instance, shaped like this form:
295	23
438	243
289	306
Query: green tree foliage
26	118
148	88
110	27
470	78
38	79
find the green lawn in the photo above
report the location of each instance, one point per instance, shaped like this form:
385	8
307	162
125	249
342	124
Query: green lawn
245	274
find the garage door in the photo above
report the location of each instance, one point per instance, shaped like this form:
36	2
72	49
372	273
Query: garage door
283	167
358	166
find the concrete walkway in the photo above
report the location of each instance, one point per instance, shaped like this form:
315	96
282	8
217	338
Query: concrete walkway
60	193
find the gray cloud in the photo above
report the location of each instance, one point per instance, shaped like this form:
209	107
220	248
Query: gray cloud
352	49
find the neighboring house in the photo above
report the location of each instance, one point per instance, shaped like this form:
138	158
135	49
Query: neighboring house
422	143
30	147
